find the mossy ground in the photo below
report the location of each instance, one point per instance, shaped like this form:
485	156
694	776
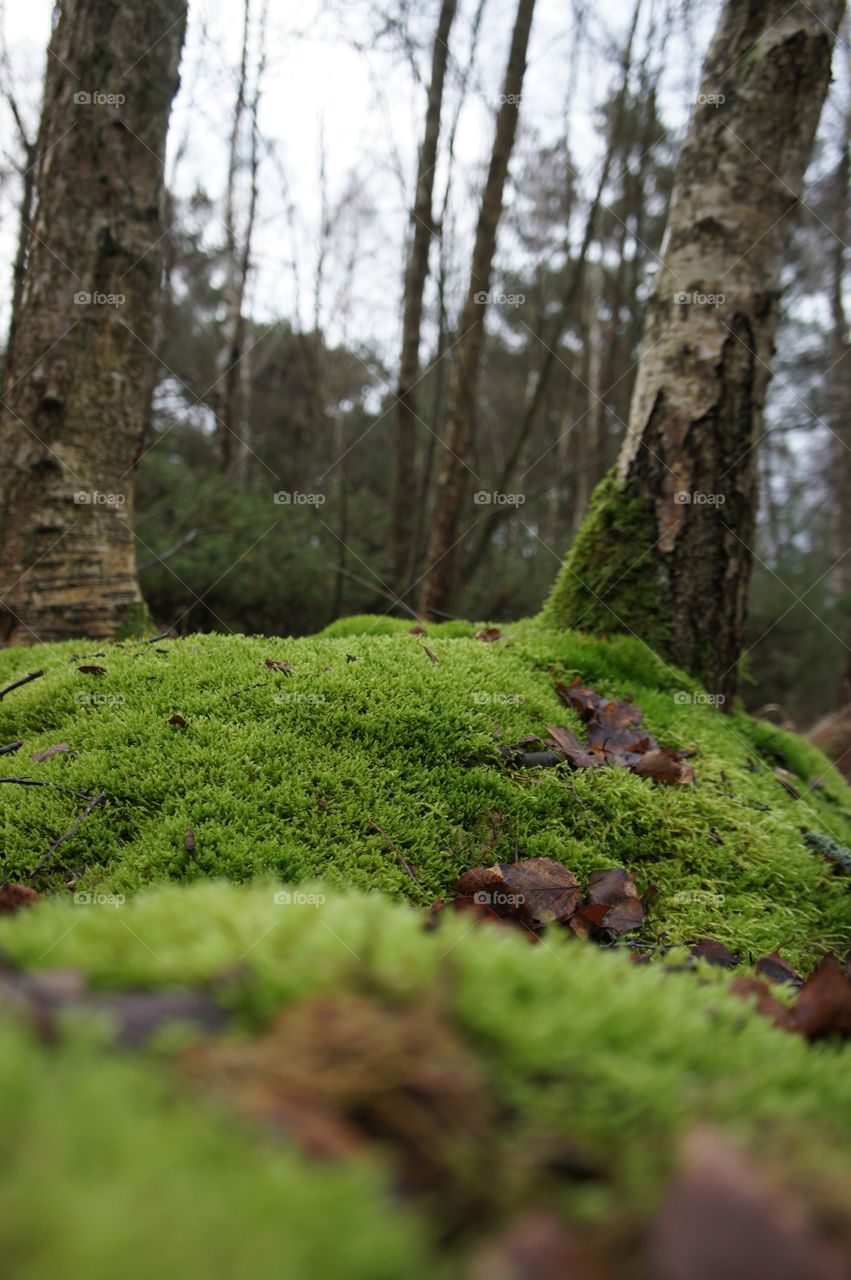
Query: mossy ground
337	768
121	1167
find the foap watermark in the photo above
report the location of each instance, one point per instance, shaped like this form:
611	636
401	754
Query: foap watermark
285	498
498	899
483	699
694	298
702	699
85	899
496	299
501	99
85	299
295	898
284	698
486	498
99	99
699	499
703	897
99	699
94	498
704	99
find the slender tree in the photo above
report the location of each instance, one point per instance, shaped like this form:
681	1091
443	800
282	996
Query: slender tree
422	231
79	372
452	482
665	549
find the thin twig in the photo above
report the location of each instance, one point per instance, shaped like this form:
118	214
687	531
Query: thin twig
12	746
93	804
33	675
37	782
402	859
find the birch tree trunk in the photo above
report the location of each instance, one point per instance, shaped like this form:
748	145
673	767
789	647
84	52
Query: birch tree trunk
665	551
452	485
80	370
422	216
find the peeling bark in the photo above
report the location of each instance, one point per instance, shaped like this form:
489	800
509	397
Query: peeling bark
696	419
80	369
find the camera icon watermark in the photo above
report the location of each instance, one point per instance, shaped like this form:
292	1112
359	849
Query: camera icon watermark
485	498
700	699
285	498
495	299
698	499
84	899
82	298
485	899
484	699
99	699
94	498
98	99
693	298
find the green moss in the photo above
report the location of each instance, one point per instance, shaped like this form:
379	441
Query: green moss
340	767
604	586
365	754
135	621
119	1168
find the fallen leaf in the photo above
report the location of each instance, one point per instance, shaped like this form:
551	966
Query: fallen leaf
178	721
275	664
823	1006
92	671
714	953
432	657
189	841
488	634
755	989
548	888
573	750
724	1219
662	764
60	747
418	630
776	969
15	896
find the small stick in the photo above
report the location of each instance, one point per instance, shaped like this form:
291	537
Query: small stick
37	782
33	675
12	746
93	804
402	859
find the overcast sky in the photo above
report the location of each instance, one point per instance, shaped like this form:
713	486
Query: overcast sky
364	105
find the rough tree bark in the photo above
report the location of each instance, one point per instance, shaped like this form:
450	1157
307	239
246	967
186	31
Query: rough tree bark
665	549
416	273
452	482
79	373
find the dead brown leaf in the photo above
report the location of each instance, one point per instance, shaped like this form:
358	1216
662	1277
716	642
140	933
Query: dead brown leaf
48	752
15	896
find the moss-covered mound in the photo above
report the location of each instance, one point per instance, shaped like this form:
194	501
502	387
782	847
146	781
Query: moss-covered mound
340	1091
584	1074
367	754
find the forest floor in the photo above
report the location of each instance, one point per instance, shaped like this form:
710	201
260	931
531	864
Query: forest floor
309	964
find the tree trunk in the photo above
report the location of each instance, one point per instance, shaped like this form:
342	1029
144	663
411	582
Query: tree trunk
664	552
79	374
404	480
452	482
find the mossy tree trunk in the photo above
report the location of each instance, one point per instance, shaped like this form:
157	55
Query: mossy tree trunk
79	373
665	550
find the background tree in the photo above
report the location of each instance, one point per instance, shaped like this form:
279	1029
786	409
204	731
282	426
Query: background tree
684	491
452	482
79	371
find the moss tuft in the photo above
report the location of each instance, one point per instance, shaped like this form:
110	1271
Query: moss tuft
604	556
